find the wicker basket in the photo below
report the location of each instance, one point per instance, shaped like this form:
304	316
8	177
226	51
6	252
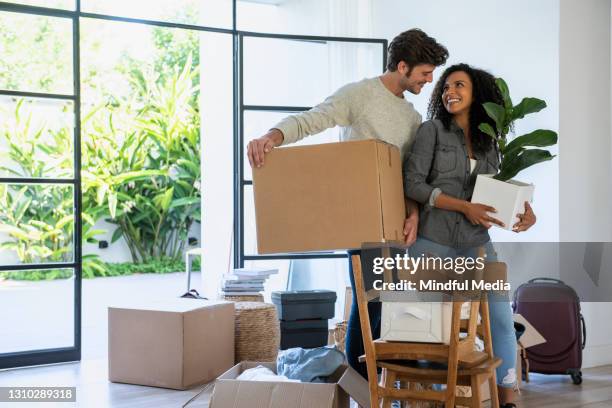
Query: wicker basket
257	332
249	298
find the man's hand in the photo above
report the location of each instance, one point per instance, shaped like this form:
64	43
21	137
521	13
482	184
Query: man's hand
411	225
257	148
526	220
477	214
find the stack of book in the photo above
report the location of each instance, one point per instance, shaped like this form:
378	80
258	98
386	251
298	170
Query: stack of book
246	281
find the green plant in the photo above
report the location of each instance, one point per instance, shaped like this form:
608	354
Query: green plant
164	265
39	218
521	152
144	165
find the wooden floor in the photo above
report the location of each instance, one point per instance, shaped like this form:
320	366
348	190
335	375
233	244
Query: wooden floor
94	390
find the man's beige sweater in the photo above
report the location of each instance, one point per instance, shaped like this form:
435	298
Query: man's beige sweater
365	109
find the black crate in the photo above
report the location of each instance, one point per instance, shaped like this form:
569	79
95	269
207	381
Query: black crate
303	333
304	304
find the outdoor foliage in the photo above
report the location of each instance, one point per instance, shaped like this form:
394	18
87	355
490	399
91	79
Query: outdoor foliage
140	146
109	269
147	167
37	217
518	154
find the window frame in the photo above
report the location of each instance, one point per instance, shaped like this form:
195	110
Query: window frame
239	154
65	354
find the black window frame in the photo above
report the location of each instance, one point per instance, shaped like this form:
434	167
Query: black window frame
240	155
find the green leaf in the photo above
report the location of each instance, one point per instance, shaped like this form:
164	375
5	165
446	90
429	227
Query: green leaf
512	164
64	221
498	114
193	168
488	130
118	233
527	106
88	218
112	203
165	199
101	193
185	201
41	225
503	88
537	138
137	175
22	209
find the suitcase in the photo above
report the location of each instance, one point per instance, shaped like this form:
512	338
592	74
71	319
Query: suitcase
553	308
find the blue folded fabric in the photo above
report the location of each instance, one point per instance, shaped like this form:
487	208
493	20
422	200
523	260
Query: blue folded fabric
309	365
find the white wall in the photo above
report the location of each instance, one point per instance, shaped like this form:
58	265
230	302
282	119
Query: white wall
586	146
515	40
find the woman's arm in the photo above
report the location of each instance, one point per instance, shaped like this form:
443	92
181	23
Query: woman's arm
477	214
417	164
417	167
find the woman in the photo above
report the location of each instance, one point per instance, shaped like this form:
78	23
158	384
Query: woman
440	172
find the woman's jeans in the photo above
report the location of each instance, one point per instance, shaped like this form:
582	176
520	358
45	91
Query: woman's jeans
502	325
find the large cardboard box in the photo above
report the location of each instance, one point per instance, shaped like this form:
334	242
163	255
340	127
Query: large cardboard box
175	343
230	392
332	196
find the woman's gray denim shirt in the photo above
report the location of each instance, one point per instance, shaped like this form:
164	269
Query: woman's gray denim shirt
438	162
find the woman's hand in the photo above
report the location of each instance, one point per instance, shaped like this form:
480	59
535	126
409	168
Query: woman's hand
477	214
526	220
411	226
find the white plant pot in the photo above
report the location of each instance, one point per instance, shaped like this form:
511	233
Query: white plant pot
507	197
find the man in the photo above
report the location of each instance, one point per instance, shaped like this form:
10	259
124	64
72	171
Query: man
373	108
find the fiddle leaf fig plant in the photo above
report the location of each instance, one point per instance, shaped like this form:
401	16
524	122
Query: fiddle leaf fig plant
522	151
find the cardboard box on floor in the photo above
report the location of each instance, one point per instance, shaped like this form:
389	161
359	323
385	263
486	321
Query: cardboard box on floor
331	196
175	343
230	392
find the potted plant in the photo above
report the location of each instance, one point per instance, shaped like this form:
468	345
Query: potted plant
499	190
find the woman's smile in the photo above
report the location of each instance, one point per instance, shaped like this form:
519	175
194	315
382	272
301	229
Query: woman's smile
457	95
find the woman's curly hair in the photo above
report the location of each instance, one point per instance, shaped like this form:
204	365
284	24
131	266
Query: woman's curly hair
484	90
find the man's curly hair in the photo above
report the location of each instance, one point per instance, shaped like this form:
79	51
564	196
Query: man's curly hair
484	90
414	47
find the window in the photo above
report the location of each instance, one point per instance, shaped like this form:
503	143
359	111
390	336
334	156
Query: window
81	81
305	71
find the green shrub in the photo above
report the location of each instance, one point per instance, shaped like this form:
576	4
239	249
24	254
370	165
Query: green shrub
165	265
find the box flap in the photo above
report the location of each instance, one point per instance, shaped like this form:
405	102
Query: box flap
391	191
531	337
173	305
356	387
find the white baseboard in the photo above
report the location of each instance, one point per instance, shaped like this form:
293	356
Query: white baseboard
595	356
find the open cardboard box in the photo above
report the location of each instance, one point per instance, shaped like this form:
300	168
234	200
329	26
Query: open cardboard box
230	392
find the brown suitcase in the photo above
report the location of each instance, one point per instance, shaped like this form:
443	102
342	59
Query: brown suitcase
553	308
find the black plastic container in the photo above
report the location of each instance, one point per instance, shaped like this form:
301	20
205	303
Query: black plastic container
303	333
304	304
